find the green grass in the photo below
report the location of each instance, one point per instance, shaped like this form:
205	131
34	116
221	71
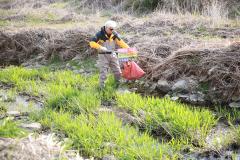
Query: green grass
238	135
39	18
3	108
25	80
86	65
9	129
7	12
69	99
10	95
4	23
177	120
105	134
58	5
15	74
60	88
34	20
230	114
86	102
89	63
72	103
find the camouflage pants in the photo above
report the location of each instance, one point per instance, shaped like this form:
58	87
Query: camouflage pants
106	61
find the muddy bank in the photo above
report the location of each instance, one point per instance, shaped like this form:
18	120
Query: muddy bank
36	147
36	141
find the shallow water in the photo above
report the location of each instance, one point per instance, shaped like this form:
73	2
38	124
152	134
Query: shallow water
22	104
19	103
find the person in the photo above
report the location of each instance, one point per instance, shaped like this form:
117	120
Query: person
106	41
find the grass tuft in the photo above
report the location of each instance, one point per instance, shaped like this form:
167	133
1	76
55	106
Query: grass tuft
10	129
175	119
105	135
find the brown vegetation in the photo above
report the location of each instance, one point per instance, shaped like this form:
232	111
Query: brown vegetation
17	48
219	69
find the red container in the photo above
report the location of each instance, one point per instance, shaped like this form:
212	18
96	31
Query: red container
131	71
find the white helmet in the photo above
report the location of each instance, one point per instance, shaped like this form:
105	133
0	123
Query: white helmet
111	24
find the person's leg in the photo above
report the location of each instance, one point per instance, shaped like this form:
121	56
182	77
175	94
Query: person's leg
103	67
115	67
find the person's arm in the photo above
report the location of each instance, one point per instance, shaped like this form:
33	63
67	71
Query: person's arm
94	42
120	42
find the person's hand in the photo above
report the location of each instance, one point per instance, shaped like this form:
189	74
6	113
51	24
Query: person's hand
114	54
103	49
